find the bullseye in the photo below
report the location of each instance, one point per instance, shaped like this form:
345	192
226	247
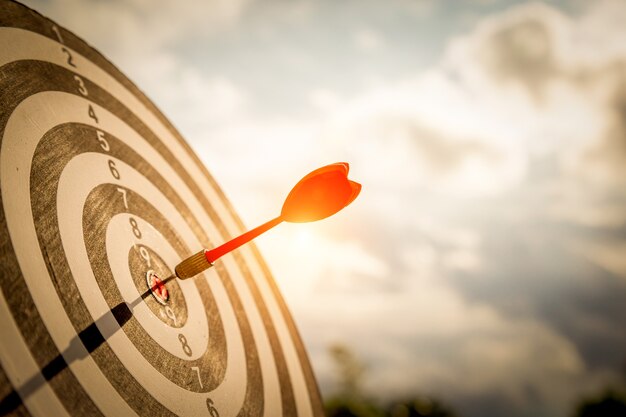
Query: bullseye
157	287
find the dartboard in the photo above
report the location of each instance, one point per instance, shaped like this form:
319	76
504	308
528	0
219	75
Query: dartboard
101	199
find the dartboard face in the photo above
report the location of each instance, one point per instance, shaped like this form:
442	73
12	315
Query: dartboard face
101	199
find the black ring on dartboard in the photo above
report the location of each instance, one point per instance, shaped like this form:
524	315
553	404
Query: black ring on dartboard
253	398
25	314
54	151
213	361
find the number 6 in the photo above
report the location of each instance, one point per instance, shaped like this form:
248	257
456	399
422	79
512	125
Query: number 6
114	171
212	410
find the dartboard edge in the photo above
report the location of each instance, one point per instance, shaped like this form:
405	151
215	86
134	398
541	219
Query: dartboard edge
101	198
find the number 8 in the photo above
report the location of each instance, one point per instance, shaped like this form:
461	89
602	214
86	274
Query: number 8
183	341
135	227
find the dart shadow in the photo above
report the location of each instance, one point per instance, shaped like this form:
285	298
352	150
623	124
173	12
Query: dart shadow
81	346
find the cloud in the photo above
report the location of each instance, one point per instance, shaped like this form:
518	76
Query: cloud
146	40
481	260
509	137
368	40
406	130
558	60
119	27
609	254
517	46
456	259
440	344
605	162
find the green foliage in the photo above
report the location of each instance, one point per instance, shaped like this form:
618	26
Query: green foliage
341	406
351	402
349	369
419	407
610	403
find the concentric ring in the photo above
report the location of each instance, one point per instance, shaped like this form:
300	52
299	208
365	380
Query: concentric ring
94	180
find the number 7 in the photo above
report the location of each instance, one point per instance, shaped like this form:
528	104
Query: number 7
197	369
124	198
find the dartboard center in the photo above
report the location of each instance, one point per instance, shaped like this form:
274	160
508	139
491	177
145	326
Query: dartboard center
154	282
157	287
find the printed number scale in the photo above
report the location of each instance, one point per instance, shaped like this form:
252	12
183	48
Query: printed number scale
101	200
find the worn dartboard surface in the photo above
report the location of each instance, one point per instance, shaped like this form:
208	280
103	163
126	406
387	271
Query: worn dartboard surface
98	189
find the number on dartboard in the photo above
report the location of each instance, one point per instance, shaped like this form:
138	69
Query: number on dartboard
124	197
58	33
168	312
81	86
183	341
70	59
212	410
92	114
104	144
145	255
197	369
114	171
135	227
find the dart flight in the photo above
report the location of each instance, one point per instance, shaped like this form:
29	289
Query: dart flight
318	195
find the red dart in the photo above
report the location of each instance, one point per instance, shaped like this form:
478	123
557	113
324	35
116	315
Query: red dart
318	195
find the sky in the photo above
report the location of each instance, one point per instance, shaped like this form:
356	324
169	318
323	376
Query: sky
483	262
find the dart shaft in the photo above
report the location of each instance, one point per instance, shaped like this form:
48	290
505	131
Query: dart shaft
214	254
318	195
204	259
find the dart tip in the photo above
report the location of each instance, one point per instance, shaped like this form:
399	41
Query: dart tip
193	265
